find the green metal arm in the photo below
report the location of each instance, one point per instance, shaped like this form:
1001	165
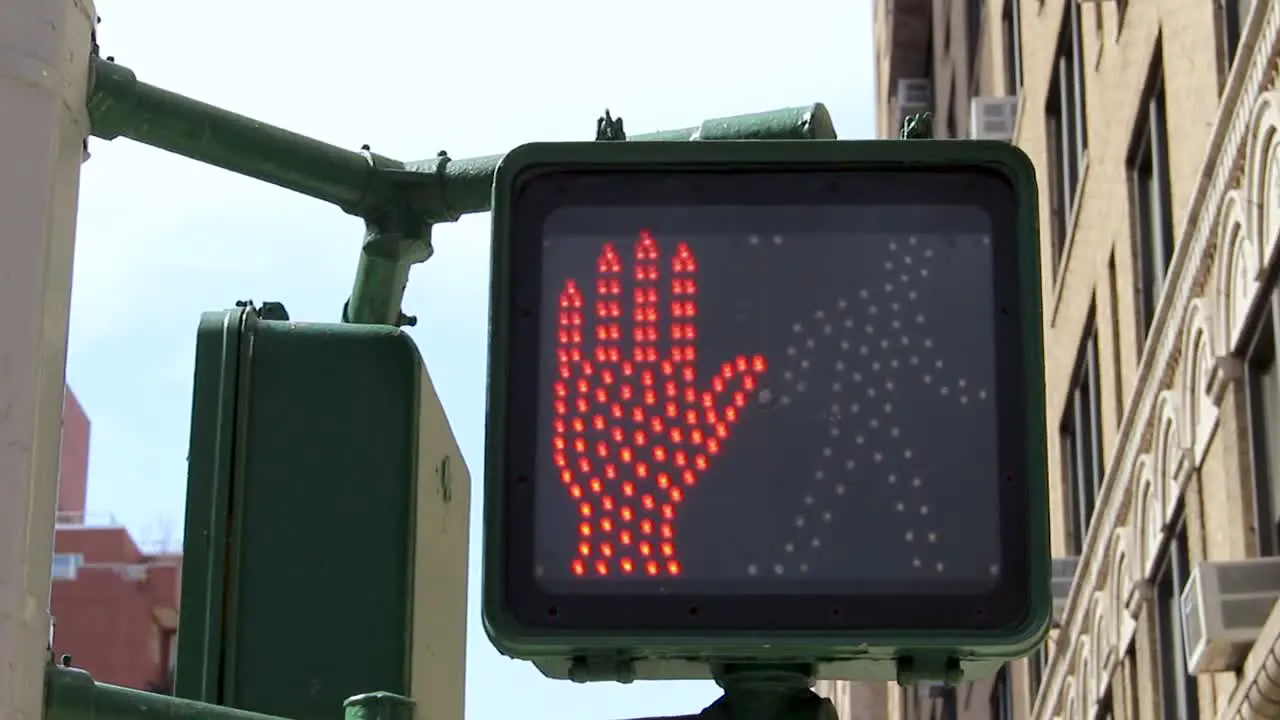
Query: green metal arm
399	201
71	694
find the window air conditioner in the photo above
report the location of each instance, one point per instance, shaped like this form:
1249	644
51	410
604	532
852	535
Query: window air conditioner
1224	606
1064	573
993	118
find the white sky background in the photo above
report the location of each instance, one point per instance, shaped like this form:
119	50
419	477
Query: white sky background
163	239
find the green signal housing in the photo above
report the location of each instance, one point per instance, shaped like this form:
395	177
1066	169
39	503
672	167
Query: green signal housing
326	528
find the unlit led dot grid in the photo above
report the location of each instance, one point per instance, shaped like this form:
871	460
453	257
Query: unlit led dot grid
882	340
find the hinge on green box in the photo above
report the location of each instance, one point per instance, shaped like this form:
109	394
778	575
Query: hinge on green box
929	667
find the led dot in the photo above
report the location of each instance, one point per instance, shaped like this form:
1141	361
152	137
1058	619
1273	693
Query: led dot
818	315
915	482
808	499
826	516
849	464
982	394
789	547
945	390
924	509
777	569
764	396
859	439
785	400
804	364
877	457
907	453
754	239
815	543
804	567
826	329
994	569
753	570
863	293
801	386
933	537
799	521
840	489
797	327
915	562
835	432
910	535
939	567
900	507
892	478
826	452
818	475
777	239
841	303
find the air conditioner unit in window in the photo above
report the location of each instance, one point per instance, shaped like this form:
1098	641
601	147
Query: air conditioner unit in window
1224	606
914	94
1064	573
993	118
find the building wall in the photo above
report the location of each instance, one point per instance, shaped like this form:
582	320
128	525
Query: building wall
1178	425
73	465
856	700
115	608
117	616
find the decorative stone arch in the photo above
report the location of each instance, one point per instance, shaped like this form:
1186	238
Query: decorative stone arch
1170	451
1237	271
1121	585
1200	414
1149	515
1101	637
1261	172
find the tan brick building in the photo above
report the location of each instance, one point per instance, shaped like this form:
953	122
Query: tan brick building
1155	130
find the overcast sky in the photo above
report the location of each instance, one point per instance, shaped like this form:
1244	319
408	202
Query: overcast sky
163	239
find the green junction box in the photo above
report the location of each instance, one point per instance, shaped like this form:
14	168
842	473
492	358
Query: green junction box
324	481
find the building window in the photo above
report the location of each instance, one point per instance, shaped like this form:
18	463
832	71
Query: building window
1263	387
1065	125
974	29
1036	665
66	565
1001	700
1149	187
1232	15
1178	693
1081	439
1104	710
1011	29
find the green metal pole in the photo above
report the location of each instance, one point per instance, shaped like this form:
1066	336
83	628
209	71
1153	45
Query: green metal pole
71	694
121	106
398	201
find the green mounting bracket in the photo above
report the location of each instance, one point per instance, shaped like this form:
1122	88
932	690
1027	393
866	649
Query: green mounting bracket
917	127
399	201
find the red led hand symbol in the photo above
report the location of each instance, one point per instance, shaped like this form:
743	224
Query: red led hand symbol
634	429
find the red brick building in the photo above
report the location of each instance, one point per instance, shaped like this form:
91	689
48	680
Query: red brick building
115	607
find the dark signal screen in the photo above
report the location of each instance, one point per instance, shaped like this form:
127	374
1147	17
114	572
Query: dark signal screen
764	399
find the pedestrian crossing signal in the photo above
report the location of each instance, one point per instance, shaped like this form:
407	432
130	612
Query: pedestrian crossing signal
765	400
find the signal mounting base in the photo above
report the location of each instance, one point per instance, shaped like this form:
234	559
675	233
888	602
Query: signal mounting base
764	692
